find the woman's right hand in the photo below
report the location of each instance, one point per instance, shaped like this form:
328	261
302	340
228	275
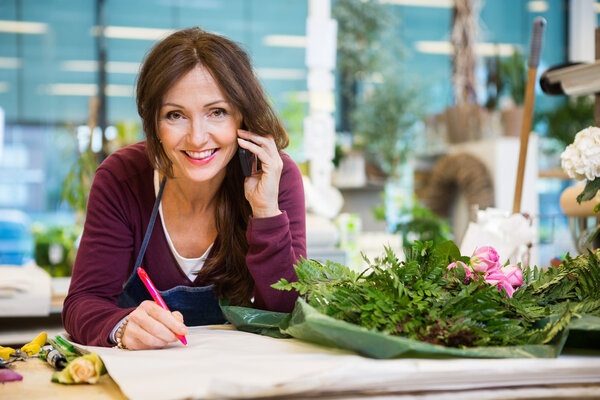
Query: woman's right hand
152	327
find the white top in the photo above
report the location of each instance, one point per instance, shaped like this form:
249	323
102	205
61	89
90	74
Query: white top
190	266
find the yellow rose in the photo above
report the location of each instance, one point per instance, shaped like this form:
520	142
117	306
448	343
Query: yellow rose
84	369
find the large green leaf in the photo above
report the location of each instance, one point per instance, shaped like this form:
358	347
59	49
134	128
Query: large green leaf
590	190
308	324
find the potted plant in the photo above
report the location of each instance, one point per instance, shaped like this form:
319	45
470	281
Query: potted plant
513	73
385	122
55	248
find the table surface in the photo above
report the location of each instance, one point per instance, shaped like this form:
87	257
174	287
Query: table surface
36	384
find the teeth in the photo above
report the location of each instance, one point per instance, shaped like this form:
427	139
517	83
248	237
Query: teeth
200	154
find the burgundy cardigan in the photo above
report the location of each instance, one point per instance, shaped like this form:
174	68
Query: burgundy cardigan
119	208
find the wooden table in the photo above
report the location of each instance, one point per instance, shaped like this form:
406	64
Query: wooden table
36	384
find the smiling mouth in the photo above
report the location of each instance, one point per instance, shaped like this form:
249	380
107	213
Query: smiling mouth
199	155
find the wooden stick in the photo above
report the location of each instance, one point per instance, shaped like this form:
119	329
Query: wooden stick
525	131
534	58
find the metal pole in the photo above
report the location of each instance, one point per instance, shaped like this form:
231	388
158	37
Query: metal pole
101	49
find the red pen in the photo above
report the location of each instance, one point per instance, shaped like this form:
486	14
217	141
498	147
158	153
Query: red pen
156	296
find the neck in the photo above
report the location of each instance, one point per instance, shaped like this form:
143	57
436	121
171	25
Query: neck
187	197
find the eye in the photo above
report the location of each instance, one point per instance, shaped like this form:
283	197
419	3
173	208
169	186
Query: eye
174	115
219	112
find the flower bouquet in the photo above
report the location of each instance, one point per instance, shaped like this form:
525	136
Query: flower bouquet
581	161
437	303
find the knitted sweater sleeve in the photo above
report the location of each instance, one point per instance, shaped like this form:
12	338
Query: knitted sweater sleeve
90	310
277	243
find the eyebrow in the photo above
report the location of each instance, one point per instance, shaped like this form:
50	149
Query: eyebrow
206	105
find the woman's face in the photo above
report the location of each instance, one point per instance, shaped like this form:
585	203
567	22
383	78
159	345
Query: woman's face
198	127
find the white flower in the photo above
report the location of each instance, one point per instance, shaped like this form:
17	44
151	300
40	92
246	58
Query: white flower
581	160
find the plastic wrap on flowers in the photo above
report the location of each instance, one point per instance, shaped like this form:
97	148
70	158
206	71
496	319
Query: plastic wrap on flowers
584	333
438	303
252	320
306	323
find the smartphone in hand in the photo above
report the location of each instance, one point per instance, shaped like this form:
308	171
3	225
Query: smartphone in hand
250	162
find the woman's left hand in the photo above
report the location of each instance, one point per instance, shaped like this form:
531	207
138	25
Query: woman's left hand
262	188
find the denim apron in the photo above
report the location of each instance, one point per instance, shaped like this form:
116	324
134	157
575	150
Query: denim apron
199	305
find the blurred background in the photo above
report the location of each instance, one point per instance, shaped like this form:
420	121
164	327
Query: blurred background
414	82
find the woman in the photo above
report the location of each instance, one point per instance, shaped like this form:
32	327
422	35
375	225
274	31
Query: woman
218	234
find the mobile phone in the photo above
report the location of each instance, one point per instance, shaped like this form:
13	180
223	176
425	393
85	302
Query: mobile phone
249	161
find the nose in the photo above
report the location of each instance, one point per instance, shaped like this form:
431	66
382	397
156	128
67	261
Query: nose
199	132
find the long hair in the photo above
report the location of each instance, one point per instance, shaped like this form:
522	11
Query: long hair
168	61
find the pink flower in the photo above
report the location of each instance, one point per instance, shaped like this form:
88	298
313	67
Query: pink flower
457	264
485	259
497	277
514	275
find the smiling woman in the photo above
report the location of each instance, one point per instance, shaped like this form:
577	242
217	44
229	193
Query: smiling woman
198	127
223	235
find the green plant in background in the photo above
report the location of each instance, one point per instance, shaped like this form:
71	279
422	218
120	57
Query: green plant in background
54	248
77	183
419	223
361	24
424	225
292	114
512	72
378	106
494	84
569	117
385	120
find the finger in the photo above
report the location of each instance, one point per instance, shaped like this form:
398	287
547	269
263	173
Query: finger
136	338
268	154
157	321
267	141
167	319
148	331
178	316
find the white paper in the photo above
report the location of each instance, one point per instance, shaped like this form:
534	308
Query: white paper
227	363
24	291
509	234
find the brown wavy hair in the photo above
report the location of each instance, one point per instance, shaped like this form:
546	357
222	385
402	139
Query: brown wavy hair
166	63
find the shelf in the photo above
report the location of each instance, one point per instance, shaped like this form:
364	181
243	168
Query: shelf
555	173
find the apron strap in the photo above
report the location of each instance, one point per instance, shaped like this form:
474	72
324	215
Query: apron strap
140	256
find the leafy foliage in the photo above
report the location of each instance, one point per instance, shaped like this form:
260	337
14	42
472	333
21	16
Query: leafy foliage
569	117
420	299
360	24
389	138
590	190
425	224
77	183
513	71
